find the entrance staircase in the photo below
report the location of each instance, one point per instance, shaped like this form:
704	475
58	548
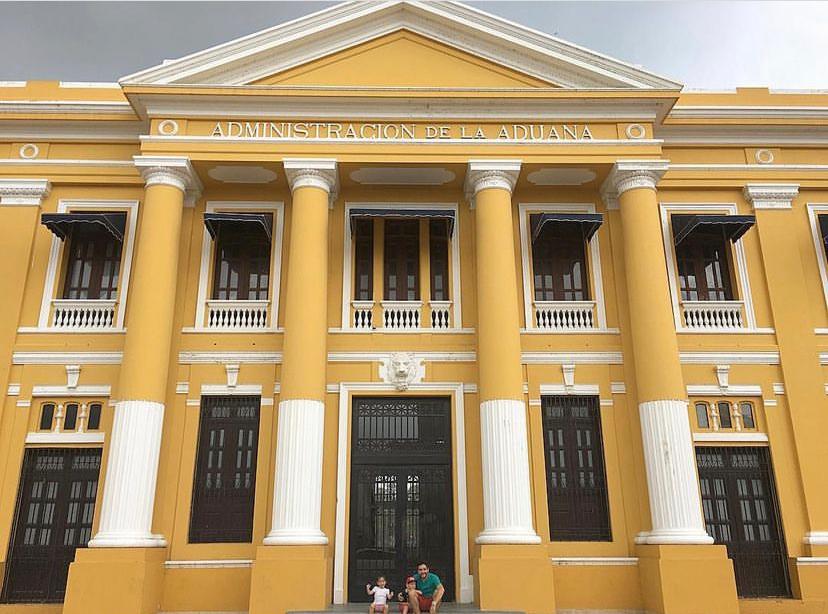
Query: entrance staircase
362	608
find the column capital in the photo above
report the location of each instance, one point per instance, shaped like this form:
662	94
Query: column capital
24	192
771	195
313	172
629	175
485	174
175	171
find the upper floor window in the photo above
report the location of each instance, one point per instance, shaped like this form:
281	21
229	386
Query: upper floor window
241	288
91	267
725	415
561	294
71	416
414	288
705	269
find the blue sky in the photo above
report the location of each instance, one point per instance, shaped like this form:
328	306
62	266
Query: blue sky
709	45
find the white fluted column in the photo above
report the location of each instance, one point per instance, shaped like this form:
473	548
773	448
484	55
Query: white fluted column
297	493
507	489
669	456
135	443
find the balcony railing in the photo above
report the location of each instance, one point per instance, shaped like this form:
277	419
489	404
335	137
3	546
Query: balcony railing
363	315
564	315
713	315
237	315
75	314
401	315
440	314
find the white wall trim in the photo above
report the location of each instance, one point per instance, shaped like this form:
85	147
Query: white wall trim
383	356
218	358
576	358
574	390
57	249
814	210
726	358
812	560
13	390
66	358
465	592
739	260
596	278
347	260
65	391
725	437
206	265
714	390
64	438
210	564
225	390
601	561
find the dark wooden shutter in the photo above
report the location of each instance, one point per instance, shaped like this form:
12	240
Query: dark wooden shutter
93	265
242	267
402	260
559	264
364	259
576	483
704	268
225	476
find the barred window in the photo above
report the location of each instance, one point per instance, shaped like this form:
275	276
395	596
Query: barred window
225	475
575	477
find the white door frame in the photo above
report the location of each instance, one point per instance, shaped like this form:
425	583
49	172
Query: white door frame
465	587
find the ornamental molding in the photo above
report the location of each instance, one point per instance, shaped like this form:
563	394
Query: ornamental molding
630	175
174	171
24	192
771	195
491	174
313	173
402	369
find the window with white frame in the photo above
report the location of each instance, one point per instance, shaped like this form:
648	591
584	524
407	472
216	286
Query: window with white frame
818	217
561	267
401	268
88	271
240	266
707	267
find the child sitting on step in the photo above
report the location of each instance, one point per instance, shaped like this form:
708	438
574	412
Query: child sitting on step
381	596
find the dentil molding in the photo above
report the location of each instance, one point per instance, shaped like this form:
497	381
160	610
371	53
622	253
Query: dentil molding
771	195
24	192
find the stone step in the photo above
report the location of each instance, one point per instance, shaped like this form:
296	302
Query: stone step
362	608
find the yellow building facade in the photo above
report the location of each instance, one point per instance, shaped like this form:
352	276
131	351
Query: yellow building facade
404	281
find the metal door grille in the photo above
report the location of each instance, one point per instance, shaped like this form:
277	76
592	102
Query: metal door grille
401	492
741	512
225	477
55	508
576	483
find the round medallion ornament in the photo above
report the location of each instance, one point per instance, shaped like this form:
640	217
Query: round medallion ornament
635	131
168	127
764	156
29	151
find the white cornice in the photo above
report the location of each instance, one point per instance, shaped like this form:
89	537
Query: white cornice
747	112
66	107
66	358
71	130
730	358
23	192
345	25
771	195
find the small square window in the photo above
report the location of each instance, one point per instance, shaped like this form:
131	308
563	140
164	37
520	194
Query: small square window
47	414
702	416
70	422
93	423
724	415
748	418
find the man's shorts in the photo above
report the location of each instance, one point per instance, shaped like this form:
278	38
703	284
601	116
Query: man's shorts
425	603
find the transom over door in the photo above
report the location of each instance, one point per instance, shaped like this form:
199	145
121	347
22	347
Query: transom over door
401	492
740	511
55	508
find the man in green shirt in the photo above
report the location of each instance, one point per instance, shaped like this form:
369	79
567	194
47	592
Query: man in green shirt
429	592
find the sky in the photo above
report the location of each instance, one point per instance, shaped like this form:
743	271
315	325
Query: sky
705	45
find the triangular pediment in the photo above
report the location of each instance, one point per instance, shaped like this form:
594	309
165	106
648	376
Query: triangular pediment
403	59
474	48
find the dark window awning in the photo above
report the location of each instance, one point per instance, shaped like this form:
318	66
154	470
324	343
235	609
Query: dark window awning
62	224
733	226
589	223
438	214
258	221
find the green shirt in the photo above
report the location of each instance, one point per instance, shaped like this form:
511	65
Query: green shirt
429	585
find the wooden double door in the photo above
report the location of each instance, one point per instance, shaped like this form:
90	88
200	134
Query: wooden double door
401	509
53	518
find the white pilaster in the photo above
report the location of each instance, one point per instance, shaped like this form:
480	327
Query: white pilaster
297	494
675	503
131	472
507	493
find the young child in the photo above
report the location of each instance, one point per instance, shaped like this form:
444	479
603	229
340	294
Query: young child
402	596
381	596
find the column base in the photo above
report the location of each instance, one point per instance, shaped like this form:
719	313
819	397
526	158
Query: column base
290	578
678	579
122	580
290	537
498	567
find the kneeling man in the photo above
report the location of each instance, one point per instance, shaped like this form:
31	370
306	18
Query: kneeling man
429	592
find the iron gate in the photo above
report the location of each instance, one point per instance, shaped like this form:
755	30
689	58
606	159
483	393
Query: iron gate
401	492
740	511
55	507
